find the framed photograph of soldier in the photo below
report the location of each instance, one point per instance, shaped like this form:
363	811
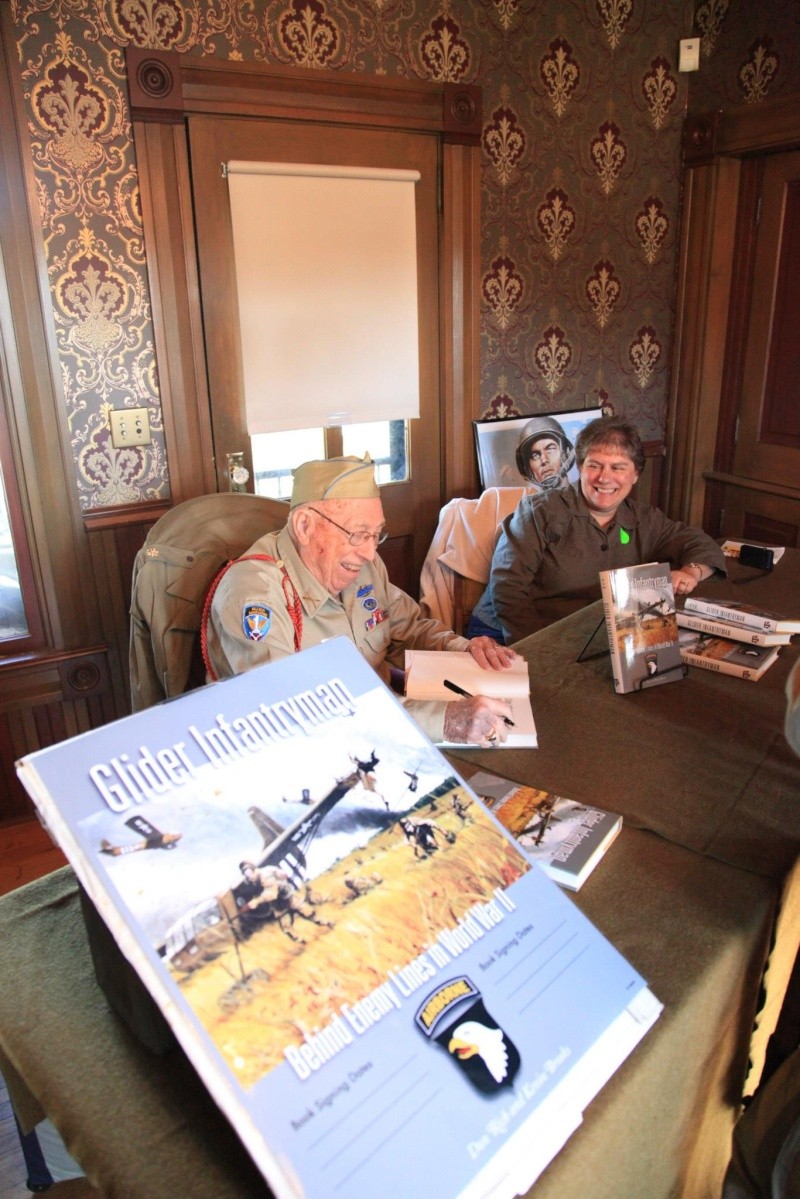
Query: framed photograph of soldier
536	451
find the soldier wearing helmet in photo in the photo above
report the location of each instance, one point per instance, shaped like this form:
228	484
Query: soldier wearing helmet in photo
545	455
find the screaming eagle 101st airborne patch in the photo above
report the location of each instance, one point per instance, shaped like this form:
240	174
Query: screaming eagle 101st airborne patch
256	619
454	1015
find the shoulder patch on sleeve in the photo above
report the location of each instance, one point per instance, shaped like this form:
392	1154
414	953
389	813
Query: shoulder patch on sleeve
256	621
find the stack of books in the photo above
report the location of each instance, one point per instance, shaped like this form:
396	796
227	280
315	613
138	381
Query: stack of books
732	637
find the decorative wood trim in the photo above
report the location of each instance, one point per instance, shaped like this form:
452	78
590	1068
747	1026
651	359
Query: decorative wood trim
39	433
461	320
705	275
741	294
699	138
714	291
166	194
771	125
779	489
133	514
166	86
650	483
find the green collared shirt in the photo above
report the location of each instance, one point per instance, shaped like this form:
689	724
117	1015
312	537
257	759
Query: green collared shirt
550	551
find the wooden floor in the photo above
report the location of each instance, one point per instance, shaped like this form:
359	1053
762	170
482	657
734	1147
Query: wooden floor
26	853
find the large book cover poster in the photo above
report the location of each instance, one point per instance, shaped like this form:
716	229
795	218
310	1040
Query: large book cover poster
369	977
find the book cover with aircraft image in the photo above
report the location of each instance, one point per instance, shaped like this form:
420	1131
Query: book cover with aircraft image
639	610
349	947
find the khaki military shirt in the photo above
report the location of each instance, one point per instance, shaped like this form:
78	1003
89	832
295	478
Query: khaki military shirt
550	552
250	621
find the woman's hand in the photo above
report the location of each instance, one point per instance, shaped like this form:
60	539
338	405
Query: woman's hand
686	578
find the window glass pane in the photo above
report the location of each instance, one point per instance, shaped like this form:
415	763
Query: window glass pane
387	443
275	455
12	610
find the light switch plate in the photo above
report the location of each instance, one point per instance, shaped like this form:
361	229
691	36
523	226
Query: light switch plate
689	54
129	426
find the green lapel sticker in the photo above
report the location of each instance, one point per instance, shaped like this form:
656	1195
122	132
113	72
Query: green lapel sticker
624	536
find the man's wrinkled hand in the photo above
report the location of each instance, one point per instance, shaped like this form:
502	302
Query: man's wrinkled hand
490	654
477	721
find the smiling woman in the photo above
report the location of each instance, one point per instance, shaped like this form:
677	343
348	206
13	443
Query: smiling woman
552	548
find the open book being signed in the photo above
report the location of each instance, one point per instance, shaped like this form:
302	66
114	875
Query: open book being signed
429	671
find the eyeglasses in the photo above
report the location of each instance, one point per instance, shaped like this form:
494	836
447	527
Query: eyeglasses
358	537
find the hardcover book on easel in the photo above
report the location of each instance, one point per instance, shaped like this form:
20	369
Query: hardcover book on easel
639	608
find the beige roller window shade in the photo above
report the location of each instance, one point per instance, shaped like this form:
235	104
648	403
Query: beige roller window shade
326	275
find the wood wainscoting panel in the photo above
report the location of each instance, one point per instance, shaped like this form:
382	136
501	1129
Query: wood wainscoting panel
45	699
749	511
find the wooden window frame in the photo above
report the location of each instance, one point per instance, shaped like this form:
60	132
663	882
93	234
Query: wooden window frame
35	636
165	89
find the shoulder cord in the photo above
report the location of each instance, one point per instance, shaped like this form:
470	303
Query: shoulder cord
293	605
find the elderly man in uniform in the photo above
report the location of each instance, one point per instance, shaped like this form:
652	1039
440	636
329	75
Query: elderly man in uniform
321	577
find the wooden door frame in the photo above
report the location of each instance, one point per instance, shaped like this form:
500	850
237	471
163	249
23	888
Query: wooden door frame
715	276
165	88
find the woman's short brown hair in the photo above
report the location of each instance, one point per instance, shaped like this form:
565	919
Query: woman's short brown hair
613	431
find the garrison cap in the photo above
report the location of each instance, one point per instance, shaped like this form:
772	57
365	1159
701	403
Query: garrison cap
334	479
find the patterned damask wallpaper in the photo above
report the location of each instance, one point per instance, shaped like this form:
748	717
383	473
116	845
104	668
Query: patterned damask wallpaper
583	107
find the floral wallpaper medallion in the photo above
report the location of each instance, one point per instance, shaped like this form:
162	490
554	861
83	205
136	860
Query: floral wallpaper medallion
444	52
556	221
560	74
503	290
116	474
507	12
652	227
608	152
758	73
660	91
93	297
644	354
501	405
154	24
307	35
708	19
552	355
614	15
504	143
74	115
603	290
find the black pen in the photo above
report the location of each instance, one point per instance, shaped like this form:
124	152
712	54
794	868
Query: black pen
468	695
